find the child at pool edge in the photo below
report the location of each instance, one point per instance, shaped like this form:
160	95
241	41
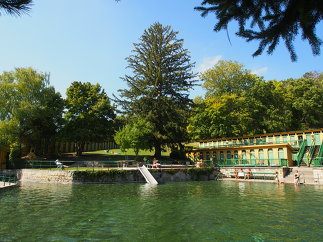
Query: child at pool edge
248	174
199	164
155	163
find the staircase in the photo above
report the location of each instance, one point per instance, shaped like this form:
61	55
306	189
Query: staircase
320	152
318	156
310	153
301	152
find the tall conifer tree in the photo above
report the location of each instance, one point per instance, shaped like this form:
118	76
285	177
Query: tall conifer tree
159	85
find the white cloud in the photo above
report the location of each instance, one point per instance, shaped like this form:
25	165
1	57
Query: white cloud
260	70
208	63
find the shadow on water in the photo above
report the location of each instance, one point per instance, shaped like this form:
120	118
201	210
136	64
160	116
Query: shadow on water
192	211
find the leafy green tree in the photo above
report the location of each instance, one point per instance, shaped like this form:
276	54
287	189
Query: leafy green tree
159	85
89	116
135	135
227	77
305	96
238	103
224	116
271	110
316	75
15	7
30	109
269	21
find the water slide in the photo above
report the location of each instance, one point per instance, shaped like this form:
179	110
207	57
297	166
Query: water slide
147	175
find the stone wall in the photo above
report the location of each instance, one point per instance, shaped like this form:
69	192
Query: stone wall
113	176
318	175
45	176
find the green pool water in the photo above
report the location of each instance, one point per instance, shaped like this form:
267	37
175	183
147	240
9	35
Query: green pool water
193	211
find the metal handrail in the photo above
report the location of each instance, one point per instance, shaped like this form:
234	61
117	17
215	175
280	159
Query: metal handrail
301	152
293	144
318	161
4	179
320	153
251	162
310	153
50	164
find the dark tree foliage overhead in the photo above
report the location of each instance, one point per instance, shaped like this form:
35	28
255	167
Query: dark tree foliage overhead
269	21
15	7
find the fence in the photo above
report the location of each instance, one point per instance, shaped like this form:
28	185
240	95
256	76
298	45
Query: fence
248	162
318	161
46	164
97	164
7	180
295	144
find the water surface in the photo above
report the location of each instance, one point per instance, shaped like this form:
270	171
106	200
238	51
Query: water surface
193	211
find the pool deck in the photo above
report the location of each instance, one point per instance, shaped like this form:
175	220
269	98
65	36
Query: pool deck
268	181
7	186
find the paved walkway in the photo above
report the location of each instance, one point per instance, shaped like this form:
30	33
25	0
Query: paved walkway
247	180
306	177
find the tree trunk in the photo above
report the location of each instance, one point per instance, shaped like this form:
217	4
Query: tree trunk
79	148
157	150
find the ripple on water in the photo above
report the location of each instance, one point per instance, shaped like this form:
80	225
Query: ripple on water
194	211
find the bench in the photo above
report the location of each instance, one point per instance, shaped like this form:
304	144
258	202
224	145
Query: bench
263	175
169	166
255	175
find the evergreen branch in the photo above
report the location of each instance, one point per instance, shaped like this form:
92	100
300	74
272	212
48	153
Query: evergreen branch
15	7
269	21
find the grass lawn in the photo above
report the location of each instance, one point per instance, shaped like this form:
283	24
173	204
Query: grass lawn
111	155
83	168
111	158
118	152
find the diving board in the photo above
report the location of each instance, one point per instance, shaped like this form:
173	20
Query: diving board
147	175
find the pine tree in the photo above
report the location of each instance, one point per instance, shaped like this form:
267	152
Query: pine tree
159	85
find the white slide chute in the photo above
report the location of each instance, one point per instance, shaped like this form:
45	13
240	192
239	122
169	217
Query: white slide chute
147	175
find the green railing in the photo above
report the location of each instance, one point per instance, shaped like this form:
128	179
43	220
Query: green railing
318	161
46	164
7	180
310	153
301	152
37	164
295	144
251	162
320	153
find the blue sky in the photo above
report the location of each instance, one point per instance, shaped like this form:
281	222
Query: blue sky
82	40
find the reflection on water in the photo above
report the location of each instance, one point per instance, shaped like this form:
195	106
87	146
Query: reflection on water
148	190
194	211
242	188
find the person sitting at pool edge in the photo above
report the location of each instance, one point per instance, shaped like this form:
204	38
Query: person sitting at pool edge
241	173
199	164
155	163
60	165
235	173
248	174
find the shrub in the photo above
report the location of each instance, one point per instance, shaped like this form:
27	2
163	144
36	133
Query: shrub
15	160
